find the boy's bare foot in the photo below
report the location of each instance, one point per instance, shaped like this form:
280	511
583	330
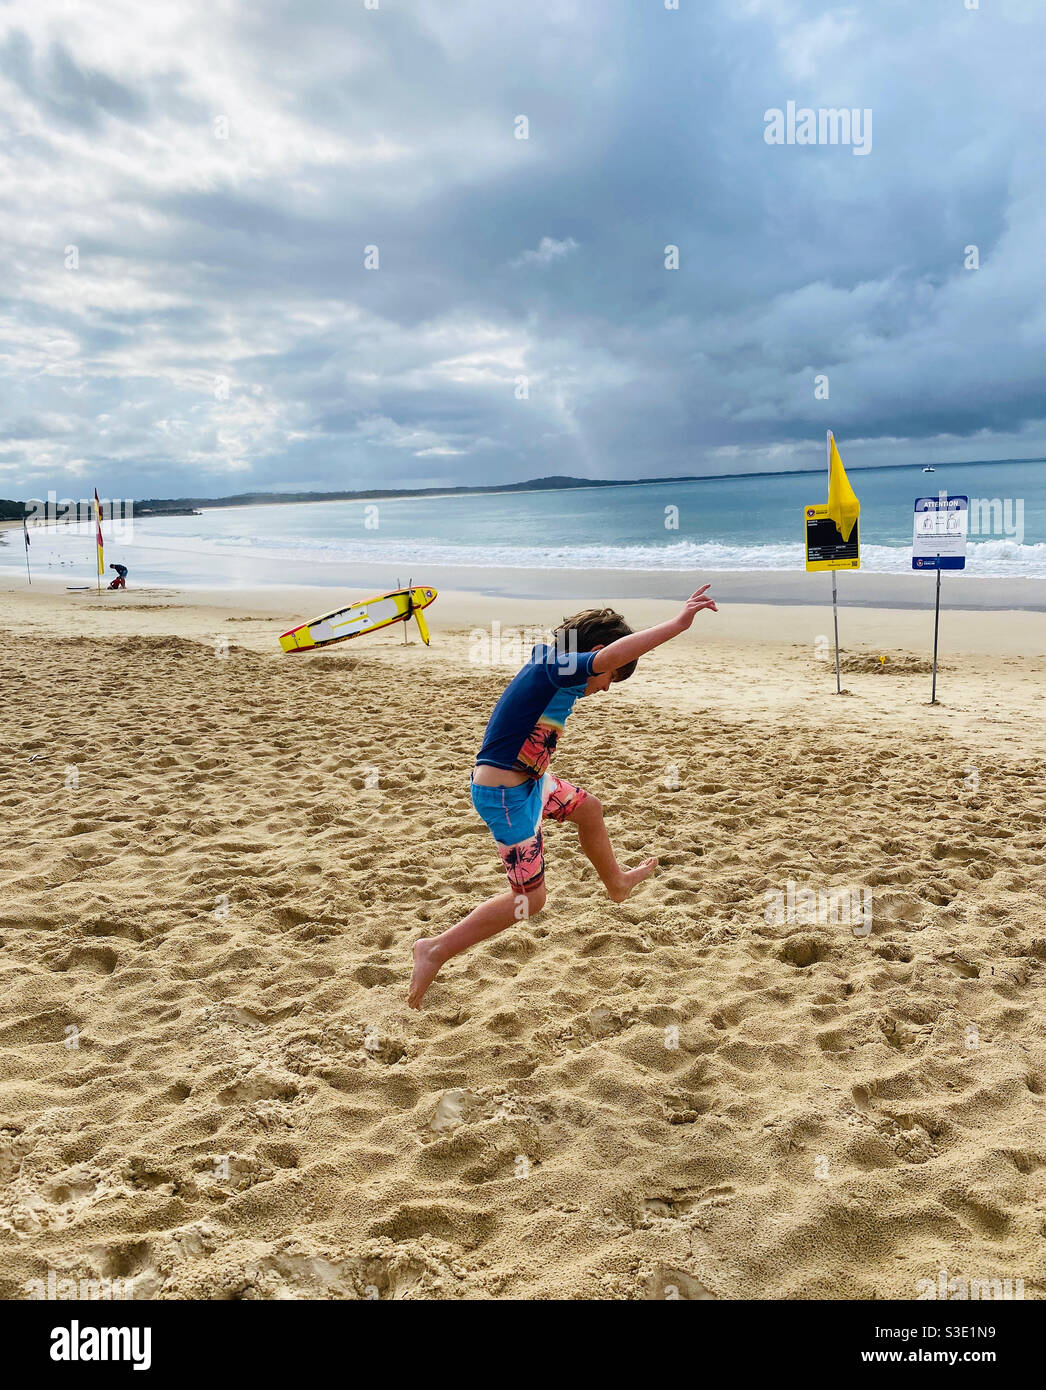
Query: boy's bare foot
620	890
426	967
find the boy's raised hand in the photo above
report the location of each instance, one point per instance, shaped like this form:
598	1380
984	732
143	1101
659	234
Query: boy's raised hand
695	604
636	644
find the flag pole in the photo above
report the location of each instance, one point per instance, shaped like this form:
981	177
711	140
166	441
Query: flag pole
25	530
835	597
98	542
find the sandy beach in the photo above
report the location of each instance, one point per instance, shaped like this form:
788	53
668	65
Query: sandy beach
217	858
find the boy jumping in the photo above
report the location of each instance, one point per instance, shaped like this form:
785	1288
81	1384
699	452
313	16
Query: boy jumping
513	790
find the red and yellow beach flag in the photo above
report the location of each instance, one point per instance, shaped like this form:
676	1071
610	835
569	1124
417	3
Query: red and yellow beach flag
99	544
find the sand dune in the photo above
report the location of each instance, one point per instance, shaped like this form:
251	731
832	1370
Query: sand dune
214	869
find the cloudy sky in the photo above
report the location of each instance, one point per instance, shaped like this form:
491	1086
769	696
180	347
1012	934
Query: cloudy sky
188	189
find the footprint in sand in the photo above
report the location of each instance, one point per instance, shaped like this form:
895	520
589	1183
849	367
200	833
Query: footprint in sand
97	960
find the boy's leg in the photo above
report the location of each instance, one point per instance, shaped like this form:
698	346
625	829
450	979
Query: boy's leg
567	802
525	866
430	953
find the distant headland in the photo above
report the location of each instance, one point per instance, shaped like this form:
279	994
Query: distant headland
188	506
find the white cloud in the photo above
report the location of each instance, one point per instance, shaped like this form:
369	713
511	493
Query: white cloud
548	252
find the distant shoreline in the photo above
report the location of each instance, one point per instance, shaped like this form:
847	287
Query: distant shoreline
574	485
172	506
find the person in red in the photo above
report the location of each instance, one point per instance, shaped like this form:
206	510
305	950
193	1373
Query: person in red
120	582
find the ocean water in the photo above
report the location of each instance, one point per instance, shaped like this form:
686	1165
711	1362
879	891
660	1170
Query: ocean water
736	523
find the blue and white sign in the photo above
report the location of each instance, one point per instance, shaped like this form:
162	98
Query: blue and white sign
941	527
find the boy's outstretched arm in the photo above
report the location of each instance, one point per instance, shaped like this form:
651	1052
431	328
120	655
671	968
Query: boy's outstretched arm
626	649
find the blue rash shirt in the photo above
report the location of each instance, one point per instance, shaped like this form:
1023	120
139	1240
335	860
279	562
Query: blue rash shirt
529	717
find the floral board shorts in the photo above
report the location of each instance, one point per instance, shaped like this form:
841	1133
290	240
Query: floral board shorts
514	816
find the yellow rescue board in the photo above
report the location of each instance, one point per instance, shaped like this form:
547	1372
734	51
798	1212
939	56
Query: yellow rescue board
368	615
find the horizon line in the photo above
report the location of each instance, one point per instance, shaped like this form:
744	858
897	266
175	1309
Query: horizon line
554	481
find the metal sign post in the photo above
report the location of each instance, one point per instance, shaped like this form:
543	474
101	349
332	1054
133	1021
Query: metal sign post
936	630
826	550
939	543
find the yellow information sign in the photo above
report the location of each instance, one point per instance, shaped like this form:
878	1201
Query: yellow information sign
825	547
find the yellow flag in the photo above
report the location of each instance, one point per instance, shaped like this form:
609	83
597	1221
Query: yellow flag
843	506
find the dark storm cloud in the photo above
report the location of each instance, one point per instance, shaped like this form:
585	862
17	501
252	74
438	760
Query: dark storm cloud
221	176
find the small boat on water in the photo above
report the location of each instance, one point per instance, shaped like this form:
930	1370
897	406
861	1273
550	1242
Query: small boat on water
929	468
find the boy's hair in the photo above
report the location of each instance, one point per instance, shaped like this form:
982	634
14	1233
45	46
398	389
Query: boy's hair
596	627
